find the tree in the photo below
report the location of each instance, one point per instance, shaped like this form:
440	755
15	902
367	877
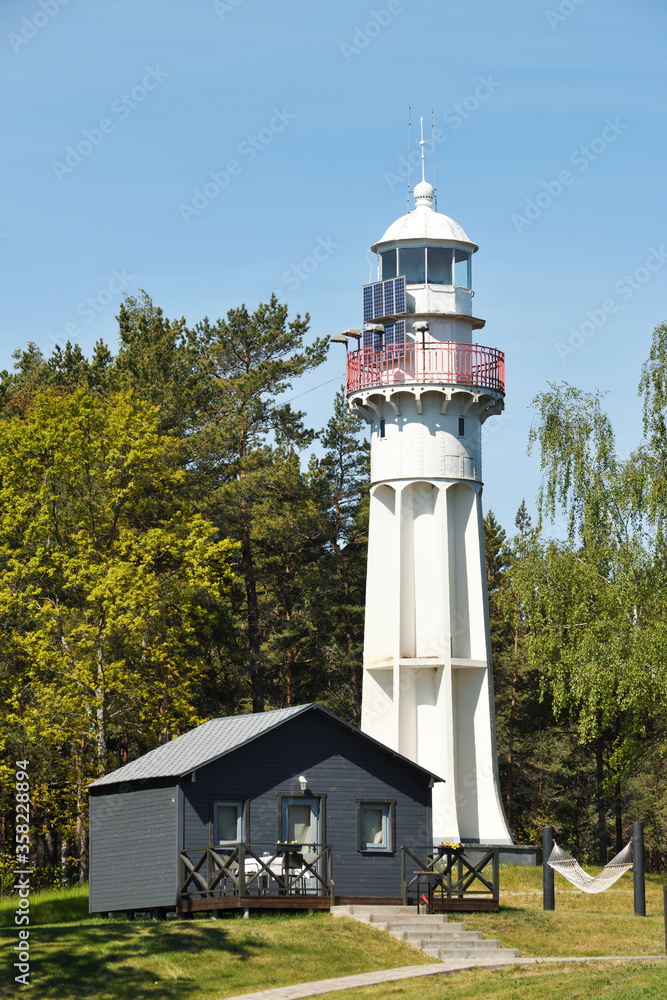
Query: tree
155	359
595	622
65	371
344	471
242	365
104	569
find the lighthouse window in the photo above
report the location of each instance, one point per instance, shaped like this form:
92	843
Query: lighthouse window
388	260
439	265
382	428
462	269
412	264
462	427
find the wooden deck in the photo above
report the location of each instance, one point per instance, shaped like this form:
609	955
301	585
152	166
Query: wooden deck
254	903
300	877
445	880
245	877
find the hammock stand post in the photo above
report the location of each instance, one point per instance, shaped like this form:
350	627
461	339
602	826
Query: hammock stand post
639	882
548	896
664	904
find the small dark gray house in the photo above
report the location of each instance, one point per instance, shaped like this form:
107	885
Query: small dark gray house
289	809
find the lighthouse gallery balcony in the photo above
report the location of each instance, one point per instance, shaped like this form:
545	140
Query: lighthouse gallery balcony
467	365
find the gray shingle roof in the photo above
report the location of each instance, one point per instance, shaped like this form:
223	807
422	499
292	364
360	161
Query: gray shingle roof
201	745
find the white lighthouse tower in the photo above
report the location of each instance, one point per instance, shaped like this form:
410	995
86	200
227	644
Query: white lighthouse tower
425	387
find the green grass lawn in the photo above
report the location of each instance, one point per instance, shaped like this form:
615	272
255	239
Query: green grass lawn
49	907
200	959
581	924
592	981
78	957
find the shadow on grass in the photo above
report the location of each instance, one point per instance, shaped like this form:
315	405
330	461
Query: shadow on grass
86	961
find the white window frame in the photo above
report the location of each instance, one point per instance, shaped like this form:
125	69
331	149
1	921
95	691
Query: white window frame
388	807
240	817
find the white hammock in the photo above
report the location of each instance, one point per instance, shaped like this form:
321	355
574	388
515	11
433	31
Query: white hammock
564	863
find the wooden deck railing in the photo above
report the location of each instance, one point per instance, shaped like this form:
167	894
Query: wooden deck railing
449	874
256	870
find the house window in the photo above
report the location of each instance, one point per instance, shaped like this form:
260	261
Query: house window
227	822
375	825
300	821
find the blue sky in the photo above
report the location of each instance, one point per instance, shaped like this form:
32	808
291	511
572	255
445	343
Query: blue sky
290	120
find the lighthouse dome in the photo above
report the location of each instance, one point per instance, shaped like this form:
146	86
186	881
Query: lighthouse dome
425	224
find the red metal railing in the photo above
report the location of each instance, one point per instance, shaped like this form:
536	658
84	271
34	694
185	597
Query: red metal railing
449	363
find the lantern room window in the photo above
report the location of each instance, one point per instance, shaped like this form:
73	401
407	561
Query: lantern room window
412	264
388	265
439	265
432	265
462	269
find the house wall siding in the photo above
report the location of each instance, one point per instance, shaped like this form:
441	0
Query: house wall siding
134	844
338	763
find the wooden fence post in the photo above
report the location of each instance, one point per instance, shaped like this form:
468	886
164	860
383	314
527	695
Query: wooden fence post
242	873
638	877
404	882
548	895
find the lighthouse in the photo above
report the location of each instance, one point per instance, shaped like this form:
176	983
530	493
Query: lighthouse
425	386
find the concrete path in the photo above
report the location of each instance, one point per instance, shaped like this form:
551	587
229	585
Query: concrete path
413	971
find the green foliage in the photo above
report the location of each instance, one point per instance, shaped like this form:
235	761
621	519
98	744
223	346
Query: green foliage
588	614
103	565
166	555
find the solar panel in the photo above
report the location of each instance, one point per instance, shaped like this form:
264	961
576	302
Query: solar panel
399	294
368	304
394	338
378	300
389	297
384	298
372	339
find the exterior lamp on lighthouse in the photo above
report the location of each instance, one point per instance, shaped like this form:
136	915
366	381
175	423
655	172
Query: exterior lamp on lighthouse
422	328
343	338
375	334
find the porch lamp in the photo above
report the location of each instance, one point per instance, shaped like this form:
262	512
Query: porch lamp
303	782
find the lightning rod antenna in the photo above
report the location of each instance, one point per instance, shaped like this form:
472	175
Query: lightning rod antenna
435	187
409	126
421	143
